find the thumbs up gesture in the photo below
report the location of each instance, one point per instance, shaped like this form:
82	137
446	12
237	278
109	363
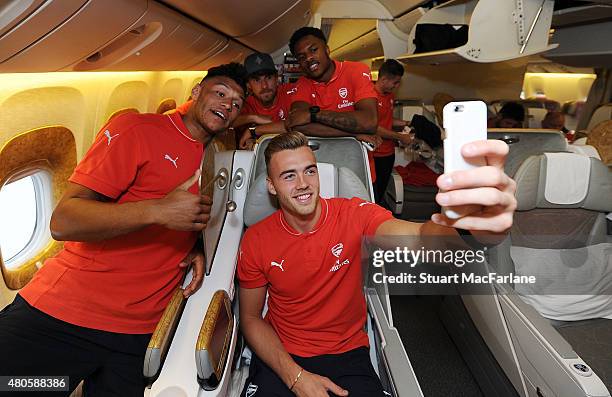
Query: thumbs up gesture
183	210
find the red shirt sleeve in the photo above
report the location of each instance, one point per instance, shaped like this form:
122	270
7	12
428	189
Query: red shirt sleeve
250	273
302	92
247	109
111	163
362	82
369	215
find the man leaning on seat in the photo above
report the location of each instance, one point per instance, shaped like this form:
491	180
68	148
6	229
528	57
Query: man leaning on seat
130	218
312	340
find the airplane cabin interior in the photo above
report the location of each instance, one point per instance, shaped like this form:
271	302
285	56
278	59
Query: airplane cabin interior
67	67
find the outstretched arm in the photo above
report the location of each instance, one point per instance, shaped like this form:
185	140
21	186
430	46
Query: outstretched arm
264	341
85	215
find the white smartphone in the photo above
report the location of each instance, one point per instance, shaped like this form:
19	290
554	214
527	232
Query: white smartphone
464	122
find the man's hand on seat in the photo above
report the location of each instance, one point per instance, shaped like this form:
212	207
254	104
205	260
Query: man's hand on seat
487	187
195	258
313	385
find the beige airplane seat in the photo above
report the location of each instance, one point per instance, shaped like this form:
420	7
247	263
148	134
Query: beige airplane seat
600	138
120	112
166	327
572	110
50	149
561	236
526	143
602	113
166	105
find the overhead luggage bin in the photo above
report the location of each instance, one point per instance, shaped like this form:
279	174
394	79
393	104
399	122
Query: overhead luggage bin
162	39
24	22
59	33
264	26
497	31
583	45
230	51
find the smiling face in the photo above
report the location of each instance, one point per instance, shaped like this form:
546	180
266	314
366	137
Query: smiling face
263	87
313	56
217	104
293	177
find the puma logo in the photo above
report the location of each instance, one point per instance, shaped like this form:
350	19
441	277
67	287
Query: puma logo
170	159
109	137
278	265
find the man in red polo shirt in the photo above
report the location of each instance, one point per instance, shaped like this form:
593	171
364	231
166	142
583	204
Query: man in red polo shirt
130	215
389	78
332	98
268	104
307	258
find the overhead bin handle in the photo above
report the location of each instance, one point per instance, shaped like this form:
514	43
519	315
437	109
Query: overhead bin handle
124	46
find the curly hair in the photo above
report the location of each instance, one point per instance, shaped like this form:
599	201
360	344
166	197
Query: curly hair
233	70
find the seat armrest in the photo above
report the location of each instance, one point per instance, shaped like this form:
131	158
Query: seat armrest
214	341
162	336
394	195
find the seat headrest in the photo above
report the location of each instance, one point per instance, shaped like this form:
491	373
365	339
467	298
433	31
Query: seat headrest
563	180
340	182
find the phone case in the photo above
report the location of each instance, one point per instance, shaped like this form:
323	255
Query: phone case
464	122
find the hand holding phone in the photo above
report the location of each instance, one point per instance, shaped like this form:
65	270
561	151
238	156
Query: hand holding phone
464	122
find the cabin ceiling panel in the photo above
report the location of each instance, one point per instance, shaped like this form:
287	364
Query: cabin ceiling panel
345	31
24	22
232	51
262	25
277	33
161	40
93	25
367	46
399	7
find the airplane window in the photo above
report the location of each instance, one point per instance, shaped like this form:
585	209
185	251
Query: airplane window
24	227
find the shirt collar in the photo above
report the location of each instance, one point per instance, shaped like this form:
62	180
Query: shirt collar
318	225
336	74
177	121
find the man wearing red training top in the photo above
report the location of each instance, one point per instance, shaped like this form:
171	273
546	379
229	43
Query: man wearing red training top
130	216
268	104
389	78
306	258
332	98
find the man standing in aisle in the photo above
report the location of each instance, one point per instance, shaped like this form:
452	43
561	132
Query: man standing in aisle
389	78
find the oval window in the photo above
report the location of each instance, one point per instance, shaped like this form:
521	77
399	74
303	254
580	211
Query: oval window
25	212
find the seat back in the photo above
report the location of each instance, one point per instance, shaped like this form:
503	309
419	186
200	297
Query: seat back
559	235
535	117
524	143
602	113
342	167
